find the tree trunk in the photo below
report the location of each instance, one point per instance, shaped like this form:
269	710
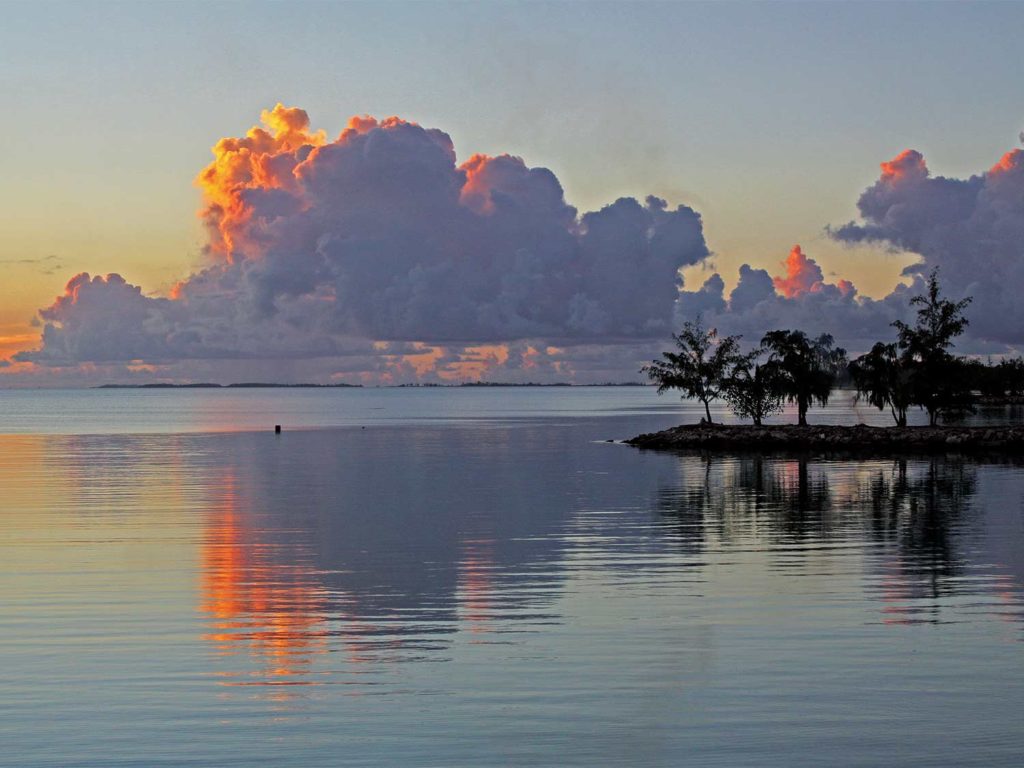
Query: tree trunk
707	411
899	415
801	413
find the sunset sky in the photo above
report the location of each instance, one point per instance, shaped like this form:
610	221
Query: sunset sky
412	249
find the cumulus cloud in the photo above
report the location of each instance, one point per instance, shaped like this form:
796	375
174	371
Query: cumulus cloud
971	229
800	298
803	275
380	252
382	234
317	247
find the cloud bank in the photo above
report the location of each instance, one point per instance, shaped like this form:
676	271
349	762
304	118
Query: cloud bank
971	229
320	248
378	256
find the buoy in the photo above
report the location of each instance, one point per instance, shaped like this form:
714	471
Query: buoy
277	429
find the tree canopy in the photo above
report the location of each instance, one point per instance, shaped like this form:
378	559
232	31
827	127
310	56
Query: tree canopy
701	366
883	379
807	367
939	381
754	389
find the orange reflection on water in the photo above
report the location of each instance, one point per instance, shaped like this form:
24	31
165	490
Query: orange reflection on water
271	608
476	564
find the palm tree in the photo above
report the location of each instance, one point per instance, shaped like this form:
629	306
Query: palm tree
808	367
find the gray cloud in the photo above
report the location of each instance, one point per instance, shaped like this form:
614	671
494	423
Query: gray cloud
971	229
319	247
754	307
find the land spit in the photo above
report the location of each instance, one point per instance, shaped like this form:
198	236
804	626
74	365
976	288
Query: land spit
859	438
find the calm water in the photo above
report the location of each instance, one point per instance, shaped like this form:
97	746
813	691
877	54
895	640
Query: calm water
475	578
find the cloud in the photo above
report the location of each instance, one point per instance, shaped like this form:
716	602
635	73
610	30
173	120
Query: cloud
803	275
377	255
798	299
971	229
322	248
397	241
46	265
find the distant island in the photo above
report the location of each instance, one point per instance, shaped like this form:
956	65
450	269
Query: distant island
526	384
430	385
241	385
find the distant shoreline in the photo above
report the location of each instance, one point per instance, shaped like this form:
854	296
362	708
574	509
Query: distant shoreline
268	385
242	385
859	438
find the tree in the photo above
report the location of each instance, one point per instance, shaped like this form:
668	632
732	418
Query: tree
699	368
754	390
882	378
939	381
1011	374
807	367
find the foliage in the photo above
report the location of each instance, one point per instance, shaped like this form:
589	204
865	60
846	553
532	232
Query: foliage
997	380
882	378
701	366
807	367
939	381
754	390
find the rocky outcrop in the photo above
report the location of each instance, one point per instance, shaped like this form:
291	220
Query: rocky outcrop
860	438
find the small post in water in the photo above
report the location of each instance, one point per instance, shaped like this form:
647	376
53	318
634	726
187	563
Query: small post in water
277	429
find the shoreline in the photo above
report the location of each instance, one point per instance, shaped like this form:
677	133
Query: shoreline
831	437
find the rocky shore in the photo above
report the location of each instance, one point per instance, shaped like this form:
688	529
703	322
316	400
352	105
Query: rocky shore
860	438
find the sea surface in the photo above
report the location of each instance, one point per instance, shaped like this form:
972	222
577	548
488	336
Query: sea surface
476	577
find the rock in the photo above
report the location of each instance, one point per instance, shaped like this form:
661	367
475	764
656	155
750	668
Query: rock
859	438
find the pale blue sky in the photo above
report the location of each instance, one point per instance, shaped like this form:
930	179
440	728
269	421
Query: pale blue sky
768	118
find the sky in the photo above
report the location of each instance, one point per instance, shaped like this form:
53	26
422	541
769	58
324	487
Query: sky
769	120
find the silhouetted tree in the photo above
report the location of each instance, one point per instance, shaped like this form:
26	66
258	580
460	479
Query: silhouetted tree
807	367
1011	374
940	381
1003	379
883	379
700	367
754	390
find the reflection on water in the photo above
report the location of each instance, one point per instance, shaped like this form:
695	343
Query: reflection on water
313	543
915	518
446	594
274	608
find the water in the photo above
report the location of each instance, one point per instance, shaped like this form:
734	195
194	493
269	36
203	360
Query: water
474	577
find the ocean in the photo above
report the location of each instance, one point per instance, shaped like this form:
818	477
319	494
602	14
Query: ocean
478	577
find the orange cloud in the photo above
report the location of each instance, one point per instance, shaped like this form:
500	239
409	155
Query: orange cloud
803	275
239	184
11	343
1012	160
265	158
907	164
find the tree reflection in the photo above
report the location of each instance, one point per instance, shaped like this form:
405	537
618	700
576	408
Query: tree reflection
915	506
